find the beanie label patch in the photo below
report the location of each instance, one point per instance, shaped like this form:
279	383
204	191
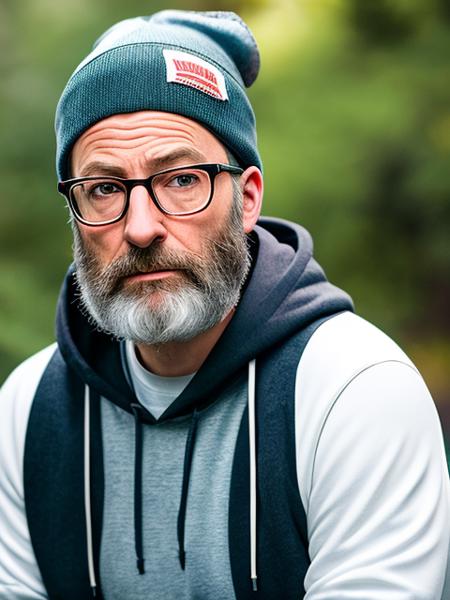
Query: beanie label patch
193	71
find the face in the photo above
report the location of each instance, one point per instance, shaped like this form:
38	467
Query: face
151	277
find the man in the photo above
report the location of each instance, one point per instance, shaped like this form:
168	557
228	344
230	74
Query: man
214	422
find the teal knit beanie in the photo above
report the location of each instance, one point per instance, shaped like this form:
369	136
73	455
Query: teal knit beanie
194	64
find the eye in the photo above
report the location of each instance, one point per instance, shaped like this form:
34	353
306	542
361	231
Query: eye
183	180
106	188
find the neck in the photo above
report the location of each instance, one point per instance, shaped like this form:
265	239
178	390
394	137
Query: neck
175	359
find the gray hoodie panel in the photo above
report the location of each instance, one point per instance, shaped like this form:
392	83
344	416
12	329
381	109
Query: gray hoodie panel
207	573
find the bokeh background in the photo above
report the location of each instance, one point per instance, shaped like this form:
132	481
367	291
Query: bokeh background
353	111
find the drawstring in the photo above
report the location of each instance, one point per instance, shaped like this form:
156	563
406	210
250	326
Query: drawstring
252	447
87	492
190	442
138	490
137	468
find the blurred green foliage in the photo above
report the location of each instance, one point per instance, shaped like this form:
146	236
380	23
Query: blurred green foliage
353	111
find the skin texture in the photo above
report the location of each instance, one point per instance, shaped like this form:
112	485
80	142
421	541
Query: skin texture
136	145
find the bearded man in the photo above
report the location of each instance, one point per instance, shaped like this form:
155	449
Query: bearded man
214	420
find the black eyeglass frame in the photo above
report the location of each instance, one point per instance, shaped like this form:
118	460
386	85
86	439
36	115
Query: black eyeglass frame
212	169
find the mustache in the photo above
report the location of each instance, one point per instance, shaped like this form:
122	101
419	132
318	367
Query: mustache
144	260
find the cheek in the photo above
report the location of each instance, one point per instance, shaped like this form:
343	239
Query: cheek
211	222
105	242
197	237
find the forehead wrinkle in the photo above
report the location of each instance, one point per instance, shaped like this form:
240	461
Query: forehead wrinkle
123	125
144	132
114	138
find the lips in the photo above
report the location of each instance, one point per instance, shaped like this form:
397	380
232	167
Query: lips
153	275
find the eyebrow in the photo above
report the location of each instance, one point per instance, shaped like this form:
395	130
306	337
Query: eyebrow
156	164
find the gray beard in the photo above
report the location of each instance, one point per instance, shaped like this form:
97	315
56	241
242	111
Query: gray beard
176	309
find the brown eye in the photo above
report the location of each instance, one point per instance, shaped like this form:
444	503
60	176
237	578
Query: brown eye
104	189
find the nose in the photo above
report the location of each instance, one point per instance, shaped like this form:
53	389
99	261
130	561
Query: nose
144	222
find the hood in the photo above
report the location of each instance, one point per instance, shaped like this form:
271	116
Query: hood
285	292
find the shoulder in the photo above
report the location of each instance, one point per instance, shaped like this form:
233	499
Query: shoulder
346	344
23	381
348	366
16	397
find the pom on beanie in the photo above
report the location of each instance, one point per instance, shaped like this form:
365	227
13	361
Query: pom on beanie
195	64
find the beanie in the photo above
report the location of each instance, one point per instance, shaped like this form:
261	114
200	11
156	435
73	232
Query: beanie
195	64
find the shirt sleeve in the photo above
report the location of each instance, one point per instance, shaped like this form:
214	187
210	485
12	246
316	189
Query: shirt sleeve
378	510
20	578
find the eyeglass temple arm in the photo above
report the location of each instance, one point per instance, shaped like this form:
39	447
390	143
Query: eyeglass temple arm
230	169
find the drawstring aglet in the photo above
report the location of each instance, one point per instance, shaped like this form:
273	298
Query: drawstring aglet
254	584
140	565
182	557
93	591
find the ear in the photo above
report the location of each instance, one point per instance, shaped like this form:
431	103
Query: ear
252	193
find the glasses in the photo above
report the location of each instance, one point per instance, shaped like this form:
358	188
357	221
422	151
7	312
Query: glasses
181	191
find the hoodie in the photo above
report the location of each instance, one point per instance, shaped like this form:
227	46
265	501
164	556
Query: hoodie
144	503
